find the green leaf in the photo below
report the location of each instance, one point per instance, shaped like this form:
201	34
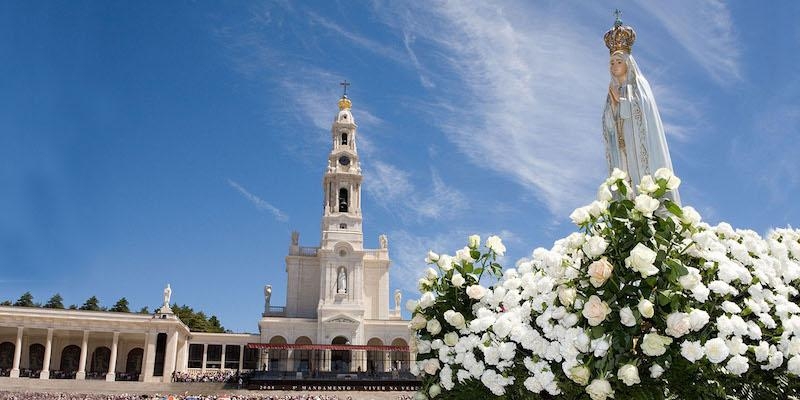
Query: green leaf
673	208
597	332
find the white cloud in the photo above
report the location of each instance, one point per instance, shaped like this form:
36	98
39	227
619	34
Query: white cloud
391	187
705	29
260	203
516	100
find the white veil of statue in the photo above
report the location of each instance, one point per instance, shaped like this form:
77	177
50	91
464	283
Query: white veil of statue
632	128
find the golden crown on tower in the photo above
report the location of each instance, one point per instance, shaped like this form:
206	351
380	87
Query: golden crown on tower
620	37
344	103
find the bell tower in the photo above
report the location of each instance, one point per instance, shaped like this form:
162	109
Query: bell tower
341	218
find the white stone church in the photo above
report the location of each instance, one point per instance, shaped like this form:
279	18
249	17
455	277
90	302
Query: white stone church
337	317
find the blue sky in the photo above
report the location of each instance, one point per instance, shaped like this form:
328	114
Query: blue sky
181	142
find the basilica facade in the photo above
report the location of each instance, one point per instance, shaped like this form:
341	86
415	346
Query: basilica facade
339	315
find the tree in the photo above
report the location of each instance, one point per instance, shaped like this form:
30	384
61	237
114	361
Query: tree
73	307
214	325
6	303
144	310
26	300
121	306
91	304
55	302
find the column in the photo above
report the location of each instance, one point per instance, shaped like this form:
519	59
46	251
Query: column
17	354
183	355
81	374
222	360
172	352
205	357
326	362
241	356
149	357
48	350
264	359
111	376
387	361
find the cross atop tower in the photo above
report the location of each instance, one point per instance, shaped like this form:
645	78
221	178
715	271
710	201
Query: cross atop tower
345	84
617	20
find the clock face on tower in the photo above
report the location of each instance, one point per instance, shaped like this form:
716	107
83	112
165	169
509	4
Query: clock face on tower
344	160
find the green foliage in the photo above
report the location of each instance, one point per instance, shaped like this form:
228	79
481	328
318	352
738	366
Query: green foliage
26	300
197	320
6	303
56	302
91	304
143	310
121	306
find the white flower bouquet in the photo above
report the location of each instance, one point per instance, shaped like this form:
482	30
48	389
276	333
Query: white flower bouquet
644	302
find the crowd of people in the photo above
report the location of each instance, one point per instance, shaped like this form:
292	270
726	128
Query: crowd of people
207	376
125	396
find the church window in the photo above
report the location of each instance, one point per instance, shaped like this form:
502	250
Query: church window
344	139
343	200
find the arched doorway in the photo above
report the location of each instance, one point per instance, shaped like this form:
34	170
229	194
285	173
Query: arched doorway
400	359
133	365
277	357
375	358
301	359
36	356
6	355
70	358
340	359
100	360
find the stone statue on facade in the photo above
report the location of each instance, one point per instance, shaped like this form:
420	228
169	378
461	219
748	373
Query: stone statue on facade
267	296
632	129
397	298
384	241
167	295
295	238
341	281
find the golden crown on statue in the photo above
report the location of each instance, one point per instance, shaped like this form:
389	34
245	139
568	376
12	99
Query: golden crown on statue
620	37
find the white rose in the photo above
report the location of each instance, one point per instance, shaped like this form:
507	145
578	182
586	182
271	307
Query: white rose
690	216
417	323
794	365
455	319
423	284
464	255
666	174
580	374
597	208
580	216
656	371
474	241
599	347
451	338
678	324
737	365
647	185
626	317
600	389
411	305
690	280
646	308
698	319
646	205
594	246
641	260
445	262
431	366
434	326
426	300
495	244
457	280
434	390
476	292
692	351
604	193
599	272
716	350
629	374
595	310
431	274
731	307
566	295
431	258
654	344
